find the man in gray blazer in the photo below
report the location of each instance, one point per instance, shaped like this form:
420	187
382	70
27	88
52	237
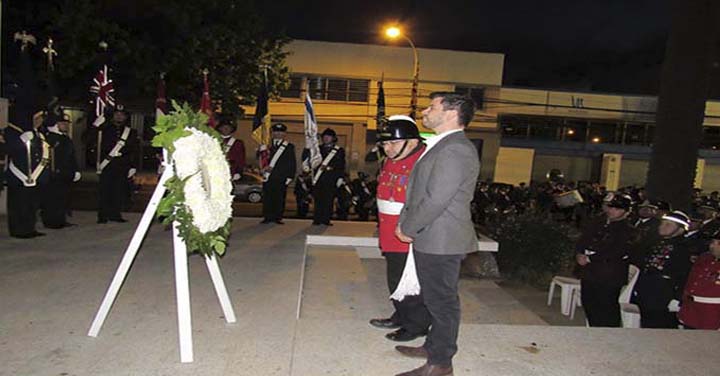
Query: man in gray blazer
436	219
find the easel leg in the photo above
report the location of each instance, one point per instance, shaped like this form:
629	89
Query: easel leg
220	289
129	256
182	288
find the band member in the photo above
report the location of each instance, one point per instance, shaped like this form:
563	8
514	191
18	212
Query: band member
345	198
401	142
363	196
662	277
602	253
325	177
303	186
63	172
278	175
118	149
700	307
234	148
28	154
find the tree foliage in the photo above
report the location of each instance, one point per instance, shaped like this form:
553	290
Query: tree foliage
145	38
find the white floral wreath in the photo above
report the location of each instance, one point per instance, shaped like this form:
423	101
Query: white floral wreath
200	162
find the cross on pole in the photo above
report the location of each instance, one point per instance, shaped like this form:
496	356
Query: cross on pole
50	52
25	39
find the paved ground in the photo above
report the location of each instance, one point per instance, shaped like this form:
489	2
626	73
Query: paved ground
50	289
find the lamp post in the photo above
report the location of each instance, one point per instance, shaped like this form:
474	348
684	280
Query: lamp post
394	32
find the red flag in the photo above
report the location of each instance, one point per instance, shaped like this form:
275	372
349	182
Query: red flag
161	101
205	103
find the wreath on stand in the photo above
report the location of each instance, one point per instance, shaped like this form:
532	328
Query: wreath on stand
199	194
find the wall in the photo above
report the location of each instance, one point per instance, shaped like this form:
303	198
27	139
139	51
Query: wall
574	168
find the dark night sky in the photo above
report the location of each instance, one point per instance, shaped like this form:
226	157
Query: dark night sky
600	45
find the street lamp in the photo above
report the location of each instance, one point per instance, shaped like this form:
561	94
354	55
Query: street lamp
393	32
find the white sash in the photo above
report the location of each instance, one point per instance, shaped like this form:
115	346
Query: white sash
31	181
114	152
273	161
230	144
706	300
409	284
324	164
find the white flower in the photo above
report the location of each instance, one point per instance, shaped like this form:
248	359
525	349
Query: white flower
208	190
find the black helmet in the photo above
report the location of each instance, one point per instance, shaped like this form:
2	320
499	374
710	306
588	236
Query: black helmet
226	119
620	201
329	132
121	108
398	127
279	127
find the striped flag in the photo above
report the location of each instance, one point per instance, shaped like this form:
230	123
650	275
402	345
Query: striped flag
261	124
311	132
205	102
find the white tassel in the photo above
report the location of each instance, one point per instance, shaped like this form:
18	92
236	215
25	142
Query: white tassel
409	284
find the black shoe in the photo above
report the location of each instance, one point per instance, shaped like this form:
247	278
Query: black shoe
279	221
403	335
327	223
68	224
24	236
384	323
316	223
119	220
102	220
265	221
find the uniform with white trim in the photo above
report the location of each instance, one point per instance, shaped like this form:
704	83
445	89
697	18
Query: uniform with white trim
117	164
700	307
278	175
325	177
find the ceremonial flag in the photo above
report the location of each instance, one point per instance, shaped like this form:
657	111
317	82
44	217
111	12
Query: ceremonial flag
102	89
380	103
261	124
205	102
311	132
160	101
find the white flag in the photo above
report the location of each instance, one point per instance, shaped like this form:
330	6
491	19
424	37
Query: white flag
311	131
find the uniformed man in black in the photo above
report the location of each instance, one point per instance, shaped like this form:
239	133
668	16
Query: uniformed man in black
345	198
117	164
646	224
663	274
364	196
602	253
303	186
325	177
28	156
278	175
63	170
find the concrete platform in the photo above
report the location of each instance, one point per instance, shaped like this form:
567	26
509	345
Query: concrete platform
51	287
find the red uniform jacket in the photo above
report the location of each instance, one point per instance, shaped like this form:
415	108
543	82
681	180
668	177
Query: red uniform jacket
235	154
704	282
392	185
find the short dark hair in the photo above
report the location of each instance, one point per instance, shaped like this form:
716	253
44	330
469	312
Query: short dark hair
463	104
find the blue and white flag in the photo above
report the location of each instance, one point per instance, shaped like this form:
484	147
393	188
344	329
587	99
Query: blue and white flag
311	133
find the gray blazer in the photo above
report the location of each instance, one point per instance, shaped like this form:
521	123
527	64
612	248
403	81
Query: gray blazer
441	186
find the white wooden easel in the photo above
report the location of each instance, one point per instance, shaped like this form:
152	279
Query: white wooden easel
182	287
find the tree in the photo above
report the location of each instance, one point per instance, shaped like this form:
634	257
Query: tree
180	38
681	105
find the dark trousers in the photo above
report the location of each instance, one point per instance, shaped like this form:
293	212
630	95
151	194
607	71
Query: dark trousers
303	206
658	319
274	199
600	303
112	192
410	313
55	204
22	205
324	194
438	276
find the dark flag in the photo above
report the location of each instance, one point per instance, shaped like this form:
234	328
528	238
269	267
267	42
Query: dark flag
380	103
261	123
206	102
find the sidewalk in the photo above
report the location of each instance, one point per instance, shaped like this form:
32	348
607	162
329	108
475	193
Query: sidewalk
50	289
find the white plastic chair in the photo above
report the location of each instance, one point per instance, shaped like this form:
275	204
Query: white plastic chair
568	286
629	313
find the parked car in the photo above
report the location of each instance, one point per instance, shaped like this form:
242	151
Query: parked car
248	188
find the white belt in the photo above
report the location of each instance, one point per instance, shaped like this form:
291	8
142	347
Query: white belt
28	181
706	300
390	207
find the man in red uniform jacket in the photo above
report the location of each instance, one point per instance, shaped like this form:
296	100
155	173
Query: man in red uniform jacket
234	148
701	299
402	144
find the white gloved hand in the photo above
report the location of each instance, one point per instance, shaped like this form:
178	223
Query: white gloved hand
77	176
288	181
99	120
674	306
374	149
236	177
131	172
27	136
